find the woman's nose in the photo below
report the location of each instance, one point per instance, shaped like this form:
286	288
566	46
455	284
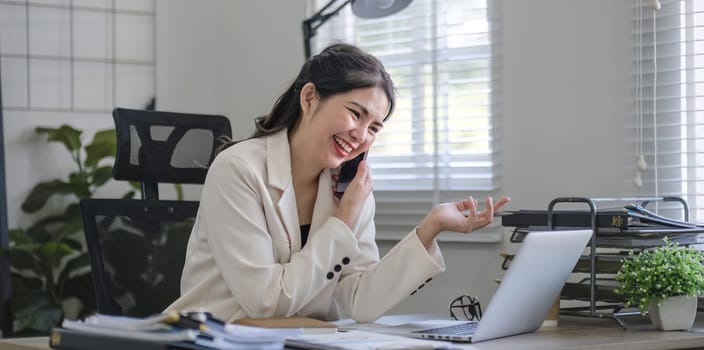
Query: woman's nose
357	134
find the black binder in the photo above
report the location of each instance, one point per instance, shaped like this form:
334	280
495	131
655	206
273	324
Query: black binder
632	219
617	218
67	339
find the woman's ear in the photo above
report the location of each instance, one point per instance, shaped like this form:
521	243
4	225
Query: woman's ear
309	97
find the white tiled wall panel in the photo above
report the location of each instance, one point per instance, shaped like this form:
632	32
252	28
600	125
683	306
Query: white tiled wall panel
93	56
92	87
102	4
92	34
135	5
134	35
49	32
14	82
50	84
13	29
63	3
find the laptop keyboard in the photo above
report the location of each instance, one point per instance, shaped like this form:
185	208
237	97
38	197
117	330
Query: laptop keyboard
463	329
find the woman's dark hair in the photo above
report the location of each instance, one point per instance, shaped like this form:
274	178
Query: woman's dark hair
337	69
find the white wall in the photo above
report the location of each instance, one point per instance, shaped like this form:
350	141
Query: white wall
227	57
565	65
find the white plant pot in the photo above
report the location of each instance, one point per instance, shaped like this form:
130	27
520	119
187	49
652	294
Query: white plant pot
673	313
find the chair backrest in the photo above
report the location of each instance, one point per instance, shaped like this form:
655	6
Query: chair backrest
137	250
165	147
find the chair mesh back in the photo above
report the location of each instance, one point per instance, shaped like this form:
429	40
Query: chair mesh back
137	250
154	146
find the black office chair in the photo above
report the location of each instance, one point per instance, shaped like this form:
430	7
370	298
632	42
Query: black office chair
165	147
137	250
137	247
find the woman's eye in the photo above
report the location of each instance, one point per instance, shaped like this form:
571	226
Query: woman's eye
374	129
354	113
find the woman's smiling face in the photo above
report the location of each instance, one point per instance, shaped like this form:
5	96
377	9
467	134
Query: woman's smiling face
344	125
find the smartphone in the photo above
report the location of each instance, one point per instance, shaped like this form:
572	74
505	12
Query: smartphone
347	172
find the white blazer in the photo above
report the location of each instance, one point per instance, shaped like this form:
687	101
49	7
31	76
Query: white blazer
244	256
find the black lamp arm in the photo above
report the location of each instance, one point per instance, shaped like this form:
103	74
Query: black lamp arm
311	25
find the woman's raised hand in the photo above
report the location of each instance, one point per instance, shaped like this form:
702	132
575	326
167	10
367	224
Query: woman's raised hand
460	216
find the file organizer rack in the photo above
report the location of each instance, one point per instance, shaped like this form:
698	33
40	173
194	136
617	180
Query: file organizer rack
597	306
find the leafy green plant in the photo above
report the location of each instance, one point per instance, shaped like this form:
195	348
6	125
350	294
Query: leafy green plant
50	265
656	274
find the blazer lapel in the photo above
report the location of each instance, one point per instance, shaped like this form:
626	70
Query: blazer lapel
279	171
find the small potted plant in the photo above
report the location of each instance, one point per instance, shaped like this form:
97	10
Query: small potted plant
665	282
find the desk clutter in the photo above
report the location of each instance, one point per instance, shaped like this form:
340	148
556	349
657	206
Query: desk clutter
165	331
201	331
617	230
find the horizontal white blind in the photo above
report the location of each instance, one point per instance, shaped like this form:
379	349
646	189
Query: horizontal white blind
668	118
441	142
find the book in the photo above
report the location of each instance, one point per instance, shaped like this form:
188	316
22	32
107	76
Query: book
570	218
306	324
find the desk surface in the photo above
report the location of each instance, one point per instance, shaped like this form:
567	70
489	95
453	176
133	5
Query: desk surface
601	334
575	333
32	343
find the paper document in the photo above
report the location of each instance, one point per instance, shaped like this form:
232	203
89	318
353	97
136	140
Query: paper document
149	335
361	340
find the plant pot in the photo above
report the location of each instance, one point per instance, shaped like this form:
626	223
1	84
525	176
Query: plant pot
673	313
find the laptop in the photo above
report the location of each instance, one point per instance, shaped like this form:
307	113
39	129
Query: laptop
528	289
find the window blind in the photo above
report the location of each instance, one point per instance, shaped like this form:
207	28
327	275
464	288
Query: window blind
441	142
667	125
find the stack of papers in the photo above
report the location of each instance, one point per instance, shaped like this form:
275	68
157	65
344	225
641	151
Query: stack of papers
304	324
362	340
164	331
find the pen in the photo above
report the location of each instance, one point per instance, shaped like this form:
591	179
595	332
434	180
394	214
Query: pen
185	322
207	319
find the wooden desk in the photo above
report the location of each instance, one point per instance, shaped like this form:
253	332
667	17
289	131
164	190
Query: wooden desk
576	333
33	343
579	333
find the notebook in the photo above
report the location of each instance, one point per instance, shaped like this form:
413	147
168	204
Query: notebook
533	281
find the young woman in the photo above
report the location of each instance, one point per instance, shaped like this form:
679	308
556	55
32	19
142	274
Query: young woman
271	238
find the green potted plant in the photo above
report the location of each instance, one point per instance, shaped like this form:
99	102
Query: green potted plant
664	282
49	263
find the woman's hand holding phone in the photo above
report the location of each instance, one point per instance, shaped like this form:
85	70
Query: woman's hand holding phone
348	171
355	195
